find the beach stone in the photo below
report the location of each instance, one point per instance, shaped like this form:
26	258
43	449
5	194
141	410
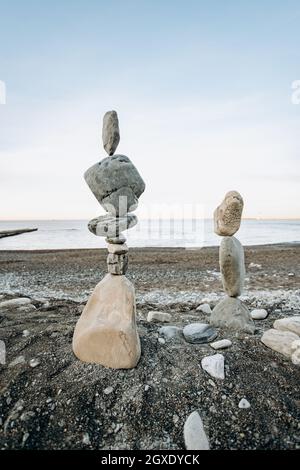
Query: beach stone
14	303
109	226
116	184
16	361
244	404
106	332
227	216
117	264
108	390
214	366
288	324
221	344
110	132
116	240
259	314
26	308
231	313
296	357
159	317
34	362
161	340
170	332
232	266
195	437
204	308
117	248
198	333
279	341
25	333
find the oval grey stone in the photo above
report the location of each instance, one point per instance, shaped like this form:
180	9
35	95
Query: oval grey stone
110	132
199	333
109	226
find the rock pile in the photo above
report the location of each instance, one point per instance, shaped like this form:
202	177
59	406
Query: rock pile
106	331
231	312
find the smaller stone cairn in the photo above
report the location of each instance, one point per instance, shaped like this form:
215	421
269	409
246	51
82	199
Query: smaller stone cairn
230	312
106	331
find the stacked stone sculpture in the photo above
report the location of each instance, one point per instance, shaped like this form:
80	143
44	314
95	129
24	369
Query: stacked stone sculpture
106	331
231	312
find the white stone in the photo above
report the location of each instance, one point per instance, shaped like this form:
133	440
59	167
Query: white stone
244	404
214	366
16	361
159	317
221	344
296	357
254	265
205	308
195	437
288	324
26	308
86	439
108	390
34	362
161	340
25	333
15	303
259	314
280	341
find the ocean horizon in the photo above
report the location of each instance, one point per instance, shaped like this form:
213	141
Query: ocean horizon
189	233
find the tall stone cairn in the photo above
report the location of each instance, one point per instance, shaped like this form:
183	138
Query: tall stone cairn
230	312
106	331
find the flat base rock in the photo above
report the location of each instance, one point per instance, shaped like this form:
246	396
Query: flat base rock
198	333
231	313
106	331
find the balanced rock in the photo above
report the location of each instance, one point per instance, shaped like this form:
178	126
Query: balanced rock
117	264
227	217
198	333
231	313
119	240
194	434
214	366
109	226
232	266
280	341
110	132
117	248
106	331
116	184
288	324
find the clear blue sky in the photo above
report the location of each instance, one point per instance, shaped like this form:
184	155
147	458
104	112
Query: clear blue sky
202	88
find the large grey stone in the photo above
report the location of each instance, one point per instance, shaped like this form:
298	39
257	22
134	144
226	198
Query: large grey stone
116	184
198	333
110	132
280	341
109	226
232	266
194	433
227	216
231	313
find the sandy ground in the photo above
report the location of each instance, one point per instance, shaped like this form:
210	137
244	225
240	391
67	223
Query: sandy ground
61	403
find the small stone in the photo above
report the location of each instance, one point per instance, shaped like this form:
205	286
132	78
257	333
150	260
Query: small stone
244	404
110	132
110	226
195	437
204	308
14	303
199	333
34	362
291	274
231	313
17	360
161	340
214	366
146	388
86	439
25	333
280	341
116	240
170	332
288	324
221	344
254	265
259	314
117	264
227	216
296	357
108	390
232	266
175	418
159	317
117	249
